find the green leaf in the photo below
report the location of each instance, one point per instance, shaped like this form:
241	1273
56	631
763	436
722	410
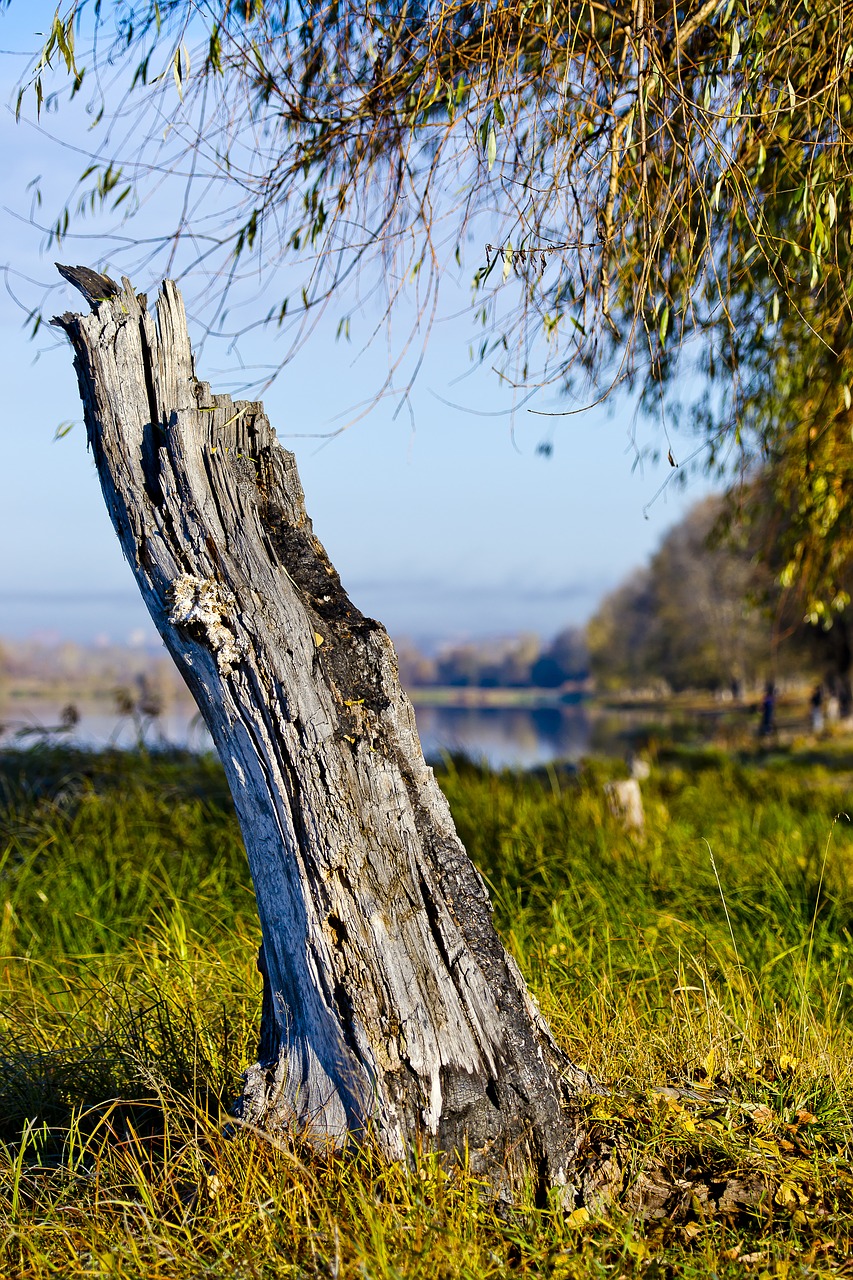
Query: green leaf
214	53
491	147
664	324
65	41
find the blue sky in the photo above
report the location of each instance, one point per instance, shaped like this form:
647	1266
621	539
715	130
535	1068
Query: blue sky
453	526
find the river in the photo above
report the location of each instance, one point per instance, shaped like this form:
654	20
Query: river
502	737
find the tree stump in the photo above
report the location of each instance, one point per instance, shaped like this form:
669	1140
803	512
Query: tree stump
625	802
391	1010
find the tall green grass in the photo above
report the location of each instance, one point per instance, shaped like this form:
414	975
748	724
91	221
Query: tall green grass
703	972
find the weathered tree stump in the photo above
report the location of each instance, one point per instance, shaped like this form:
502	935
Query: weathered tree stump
391	1010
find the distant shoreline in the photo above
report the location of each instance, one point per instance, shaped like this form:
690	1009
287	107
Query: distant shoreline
504	699
450	697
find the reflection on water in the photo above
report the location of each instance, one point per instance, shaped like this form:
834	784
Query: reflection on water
506	737
502	737
100	726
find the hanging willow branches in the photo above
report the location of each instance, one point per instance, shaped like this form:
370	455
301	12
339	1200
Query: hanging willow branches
656	160
627	178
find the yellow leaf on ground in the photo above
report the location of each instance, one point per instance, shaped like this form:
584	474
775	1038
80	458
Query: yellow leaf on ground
577	1217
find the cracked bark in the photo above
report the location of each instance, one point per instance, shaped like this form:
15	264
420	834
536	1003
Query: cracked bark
391	1010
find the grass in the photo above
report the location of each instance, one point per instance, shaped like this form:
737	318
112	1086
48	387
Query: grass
705	972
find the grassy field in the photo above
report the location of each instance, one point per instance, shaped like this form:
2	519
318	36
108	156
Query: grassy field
705	972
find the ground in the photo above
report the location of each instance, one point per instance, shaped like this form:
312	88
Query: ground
704	973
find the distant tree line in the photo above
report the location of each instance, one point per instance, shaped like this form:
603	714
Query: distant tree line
518	662
709	611
62	668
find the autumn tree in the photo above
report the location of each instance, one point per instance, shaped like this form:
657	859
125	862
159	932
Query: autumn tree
695	617
709	611
784	372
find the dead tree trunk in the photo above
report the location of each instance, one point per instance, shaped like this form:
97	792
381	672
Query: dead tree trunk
391	1010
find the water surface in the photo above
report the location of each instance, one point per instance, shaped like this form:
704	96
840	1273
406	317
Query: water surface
502	737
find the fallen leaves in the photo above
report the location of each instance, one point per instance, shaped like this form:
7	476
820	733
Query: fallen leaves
702	1154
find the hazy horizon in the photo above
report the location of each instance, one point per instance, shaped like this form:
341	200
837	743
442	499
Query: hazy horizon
119	618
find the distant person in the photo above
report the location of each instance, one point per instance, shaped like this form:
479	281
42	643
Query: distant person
845	700
816	709
768	711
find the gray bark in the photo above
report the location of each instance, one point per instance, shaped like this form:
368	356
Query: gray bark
391	1010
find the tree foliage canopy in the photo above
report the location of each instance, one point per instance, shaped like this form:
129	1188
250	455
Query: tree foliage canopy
658	158
634	178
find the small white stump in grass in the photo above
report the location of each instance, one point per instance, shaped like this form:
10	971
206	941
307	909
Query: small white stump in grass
626	804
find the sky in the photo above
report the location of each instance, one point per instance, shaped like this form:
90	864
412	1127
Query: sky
450	522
